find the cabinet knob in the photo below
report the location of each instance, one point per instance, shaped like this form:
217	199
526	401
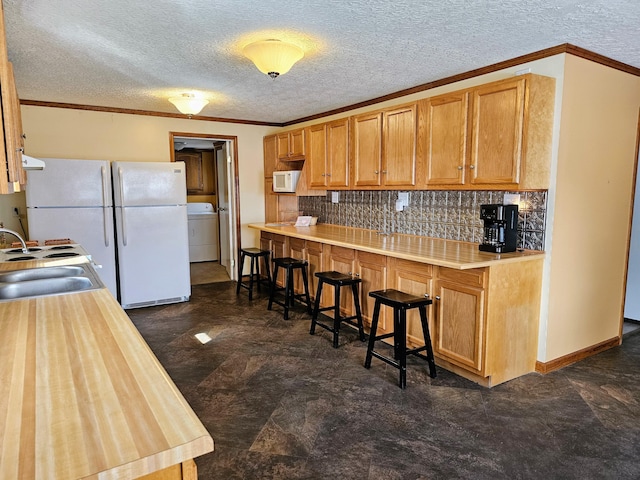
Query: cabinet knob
437	297
384	171
426	295
328	174
323	175
376	172
472	167
460	167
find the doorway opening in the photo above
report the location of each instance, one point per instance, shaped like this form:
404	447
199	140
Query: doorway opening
213	202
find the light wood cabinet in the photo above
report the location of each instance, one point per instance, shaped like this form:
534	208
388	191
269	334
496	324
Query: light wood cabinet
496	135
328	154
270	202
342	260
11	134
316	257
384	148
459	317
270	152
416	279
443	133
290	145
496	132
278	245
372	269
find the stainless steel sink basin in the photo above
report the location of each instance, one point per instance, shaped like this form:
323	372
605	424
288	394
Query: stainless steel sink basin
39	273
36	282
44	286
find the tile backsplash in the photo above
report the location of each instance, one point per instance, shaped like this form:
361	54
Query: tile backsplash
453	215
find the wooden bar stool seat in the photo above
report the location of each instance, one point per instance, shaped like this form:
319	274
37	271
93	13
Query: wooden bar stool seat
290	265
255	254
400	302
337	280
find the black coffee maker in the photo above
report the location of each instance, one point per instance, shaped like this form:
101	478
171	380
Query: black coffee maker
500	228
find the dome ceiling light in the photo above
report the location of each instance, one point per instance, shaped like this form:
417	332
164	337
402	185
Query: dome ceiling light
273	57
189	104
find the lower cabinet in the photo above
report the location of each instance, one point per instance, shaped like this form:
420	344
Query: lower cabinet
483	322
459	317
277	245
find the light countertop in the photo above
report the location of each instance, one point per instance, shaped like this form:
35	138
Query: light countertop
82	394
435	251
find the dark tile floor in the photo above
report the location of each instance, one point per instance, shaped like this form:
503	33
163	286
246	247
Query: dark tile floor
281	404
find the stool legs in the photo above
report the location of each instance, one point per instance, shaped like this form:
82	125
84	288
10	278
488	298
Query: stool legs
316	309
305	283
273	286
427	342
400	339
356	304
240	266
336	315
372	334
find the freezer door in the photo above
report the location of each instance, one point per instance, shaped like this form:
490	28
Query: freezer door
153	255
90	227
149	183
70	183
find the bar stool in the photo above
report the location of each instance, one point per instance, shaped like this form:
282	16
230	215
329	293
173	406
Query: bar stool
289	264
255	254
400	302
337	280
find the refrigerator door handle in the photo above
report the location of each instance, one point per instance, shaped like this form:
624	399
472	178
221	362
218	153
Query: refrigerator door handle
105	226
105	201
122	213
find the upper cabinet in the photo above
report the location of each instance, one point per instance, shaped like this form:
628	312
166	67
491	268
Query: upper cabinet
496	135
328	154
291	145
384	148
270	151
11	135
492	136
443	134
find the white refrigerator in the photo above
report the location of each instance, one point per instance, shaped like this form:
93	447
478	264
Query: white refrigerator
150	203
72	199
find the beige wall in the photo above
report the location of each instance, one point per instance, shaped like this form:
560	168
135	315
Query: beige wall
590	223
55	132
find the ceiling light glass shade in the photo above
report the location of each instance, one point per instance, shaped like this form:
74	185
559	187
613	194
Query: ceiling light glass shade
188	103
273	57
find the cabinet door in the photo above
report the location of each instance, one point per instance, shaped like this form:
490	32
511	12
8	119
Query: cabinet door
459	324
367	149
279	250
314	252
342	260
270	150
296	143
338	153
265	242
270	202
399	153
443	143
372	269
297	250
316	159
496	134
193	172
416	279
282	144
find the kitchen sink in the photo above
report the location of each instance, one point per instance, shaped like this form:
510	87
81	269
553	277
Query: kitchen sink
44	286
40	273
36	282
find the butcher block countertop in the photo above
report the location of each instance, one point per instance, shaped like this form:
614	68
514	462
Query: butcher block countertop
81	394
435	251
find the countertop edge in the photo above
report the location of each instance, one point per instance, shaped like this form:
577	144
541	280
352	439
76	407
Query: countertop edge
309	233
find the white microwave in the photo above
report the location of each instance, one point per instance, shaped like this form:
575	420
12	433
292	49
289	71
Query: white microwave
285	181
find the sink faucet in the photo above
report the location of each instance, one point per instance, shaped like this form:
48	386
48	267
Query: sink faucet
15	234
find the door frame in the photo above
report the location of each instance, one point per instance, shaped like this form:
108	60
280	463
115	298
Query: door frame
235	202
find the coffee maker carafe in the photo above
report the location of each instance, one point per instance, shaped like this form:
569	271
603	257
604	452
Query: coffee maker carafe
500	228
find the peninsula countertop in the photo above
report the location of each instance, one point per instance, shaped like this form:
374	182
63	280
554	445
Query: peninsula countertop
435	251
83	396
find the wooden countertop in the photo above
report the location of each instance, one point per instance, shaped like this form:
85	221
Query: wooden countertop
83	396
436	251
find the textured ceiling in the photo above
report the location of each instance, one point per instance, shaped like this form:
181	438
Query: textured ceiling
136	53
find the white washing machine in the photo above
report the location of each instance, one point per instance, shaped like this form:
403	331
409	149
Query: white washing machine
203	232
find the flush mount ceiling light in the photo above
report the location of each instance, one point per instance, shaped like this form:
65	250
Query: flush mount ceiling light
273	57
188	103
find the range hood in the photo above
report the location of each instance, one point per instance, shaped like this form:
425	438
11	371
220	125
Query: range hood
30	163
